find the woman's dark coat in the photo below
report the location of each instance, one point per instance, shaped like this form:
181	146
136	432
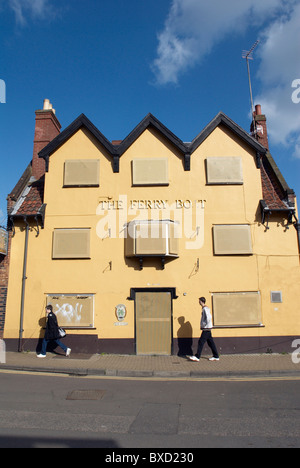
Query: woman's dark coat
52	328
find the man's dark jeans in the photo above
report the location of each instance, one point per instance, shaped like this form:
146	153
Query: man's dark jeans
206	337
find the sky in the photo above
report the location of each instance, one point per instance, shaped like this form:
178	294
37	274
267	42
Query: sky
116	61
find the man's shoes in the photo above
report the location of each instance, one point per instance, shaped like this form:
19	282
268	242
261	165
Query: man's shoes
214	359
193	358
68	352
41	356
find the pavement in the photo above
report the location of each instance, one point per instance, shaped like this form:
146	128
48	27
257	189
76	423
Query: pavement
159	367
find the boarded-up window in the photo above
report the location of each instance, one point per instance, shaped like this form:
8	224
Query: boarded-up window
237	309
82	173
173	239
232	239
224	170
150	171
154	238
71	243
73	310
151	239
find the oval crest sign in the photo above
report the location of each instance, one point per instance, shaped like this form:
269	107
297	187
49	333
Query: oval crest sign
121	312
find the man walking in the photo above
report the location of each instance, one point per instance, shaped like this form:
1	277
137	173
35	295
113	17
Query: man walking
206	337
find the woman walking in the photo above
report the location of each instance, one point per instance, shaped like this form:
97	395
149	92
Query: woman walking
52	334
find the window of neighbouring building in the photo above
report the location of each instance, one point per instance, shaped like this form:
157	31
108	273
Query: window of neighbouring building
3	241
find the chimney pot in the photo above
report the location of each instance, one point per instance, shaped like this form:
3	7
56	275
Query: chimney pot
258	109
47	104
259	127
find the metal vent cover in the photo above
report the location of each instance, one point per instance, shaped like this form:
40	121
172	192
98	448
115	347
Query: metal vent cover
276	296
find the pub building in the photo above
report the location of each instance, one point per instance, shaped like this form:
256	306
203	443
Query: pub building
122	238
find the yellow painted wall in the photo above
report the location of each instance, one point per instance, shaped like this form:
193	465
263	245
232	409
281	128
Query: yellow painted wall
273	266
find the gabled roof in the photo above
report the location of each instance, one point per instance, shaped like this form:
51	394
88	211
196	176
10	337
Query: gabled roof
116	151
151	121
222	119
28	193
81	121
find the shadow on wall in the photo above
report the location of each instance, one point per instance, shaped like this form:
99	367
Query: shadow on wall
185	337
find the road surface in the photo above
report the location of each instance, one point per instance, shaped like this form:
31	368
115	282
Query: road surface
59	411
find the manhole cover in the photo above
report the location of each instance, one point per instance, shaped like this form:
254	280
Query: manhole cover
85	395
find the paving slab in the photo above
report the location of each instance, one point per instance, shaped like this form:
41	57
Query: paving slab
114	365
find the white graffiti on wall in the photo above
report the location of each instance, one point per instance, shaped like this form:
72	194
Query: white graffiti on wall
69	313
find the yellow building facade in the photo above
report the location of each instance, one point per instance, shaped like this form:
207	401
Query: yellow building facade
123	238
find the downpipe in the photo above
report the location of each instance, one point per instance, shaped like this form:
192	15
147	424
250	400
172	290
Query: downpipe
24	278
297	226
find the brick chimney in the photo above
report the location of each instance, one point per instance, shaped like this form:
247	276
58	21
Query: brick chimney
260	131
47	127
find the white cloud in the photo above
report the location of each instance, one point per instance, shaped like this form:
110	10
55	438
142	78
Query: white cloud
278	70
194	27
39	9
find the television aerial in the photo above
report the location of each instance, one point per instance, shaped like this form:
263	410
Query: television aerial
248	55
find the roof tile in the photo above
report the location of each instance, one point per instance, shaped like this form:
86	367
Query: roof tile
33	200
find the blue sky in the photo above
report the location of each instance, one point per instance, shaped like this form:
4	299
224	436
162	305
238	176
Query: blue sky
117	60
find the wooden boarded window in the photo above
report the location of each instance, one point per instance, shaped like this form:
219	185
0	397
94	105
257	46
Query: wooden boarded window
224	170
73	310
71	243
232	239
152	171
151	239
237	309
82	173
154	238
173	239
